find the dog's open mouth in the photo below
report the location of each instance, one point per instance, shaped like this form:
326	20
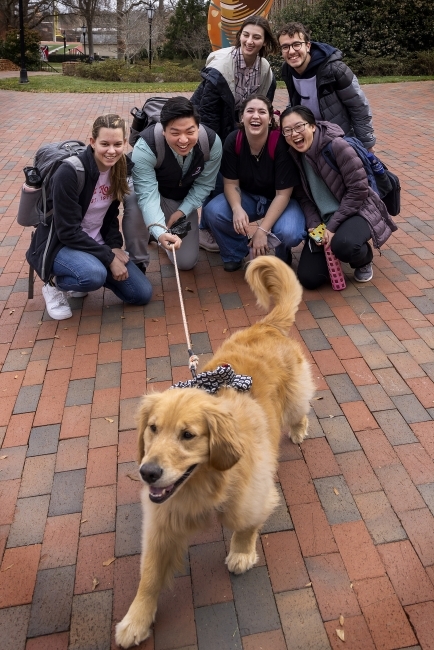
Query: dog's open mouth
159	495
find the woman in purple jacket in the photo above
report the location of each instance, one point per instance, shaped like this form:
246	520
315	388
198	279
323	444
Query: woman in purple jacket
352	211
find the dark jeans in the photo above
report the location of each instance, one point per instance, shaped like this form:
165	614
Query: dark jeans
349	244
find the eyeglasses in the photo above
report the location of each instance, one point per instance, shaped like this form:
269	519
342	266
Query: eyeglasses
295	46
298	128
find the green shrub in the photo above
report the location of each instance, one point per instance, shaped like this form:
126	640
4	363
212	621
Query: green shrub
10	48
115	70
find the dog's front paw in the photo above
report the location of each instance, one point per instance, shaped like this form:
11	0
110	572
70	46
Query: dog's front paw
132	630
241	562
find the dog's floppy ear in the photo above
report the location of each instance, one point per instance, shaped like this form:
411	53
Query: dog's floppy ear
224	447
142	417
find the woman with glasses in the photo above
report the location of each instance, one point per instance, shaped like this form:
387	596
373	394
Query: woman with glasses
352	211
258	181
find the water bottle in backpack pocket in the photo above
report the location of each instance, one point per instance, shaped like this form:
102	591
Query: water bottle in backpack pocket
32	209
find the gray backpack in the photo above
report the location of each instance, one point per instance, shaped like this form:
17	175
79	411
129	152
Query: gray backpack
32	209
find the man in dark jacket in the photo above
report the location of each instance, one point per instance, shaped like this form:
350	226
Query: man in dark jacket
316	77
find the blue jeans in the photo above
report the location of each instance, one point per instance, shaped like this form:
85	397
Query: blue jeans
79	271
217	216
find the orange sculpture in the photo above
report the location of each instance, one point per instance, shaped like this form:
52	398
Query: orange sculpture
226	17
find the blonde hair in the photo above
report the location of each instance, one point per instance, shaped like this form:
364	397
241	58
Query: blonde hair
118	177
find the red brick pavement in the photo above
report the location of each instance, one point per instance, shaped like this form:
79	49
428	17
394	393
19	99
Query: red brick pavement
354	534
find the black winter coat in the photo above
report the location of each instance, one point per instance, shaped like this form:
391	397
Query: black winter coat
341	100
216	103
69	209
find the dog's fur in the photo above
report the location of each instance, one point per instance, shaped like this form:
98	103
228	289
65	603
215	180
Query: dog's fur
235	445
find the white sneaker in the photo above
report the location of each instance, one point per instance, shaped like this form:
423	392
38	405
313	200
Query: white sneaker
56	302
77	294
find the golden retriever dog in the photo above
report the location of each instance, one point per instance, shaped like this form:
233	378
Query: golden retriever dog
201	453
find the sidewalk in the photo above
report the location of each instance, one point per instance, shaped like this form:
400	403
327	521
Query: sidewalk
354	533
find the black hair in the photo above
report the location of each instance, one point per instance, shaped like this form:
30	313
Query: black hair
303	111
270	44
177	107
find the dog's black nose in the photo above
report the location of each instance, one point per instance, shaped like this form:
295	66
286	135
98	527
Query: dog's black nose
150	472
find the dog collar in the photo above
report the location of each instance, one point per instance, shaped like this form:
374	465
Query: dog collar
212	380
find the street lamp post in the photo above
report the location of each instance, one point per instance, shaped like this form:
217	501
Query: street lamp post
64	45
23	71
83	29
151	11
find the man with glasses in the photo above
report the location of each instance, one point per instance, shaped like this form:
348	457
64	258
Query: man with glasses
316	77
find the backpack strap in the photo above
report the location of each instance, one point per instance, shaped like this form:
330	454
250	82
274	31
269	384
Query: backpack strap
273	139
238	142
160	144
204	142
75	162
329	156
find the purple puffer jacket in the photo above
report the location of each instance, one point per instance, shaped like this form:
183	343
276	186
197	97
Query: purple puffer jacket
349	185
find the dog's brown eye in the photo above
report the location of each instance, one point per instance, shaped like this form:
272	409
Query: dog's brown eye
186	435
153	428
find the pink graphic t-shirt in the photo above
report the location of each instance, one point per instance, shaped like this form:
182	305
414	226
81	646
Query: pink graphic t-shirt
101	199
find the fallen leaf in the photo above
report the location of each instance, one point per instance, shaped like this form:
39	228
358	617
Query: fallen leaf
108	562
225	330
204	309
133	478
190	290
82	521
30	341
331	416
318	398
24	352
336	491
247	304
123	317
341	620
351	585
150	378
7	568
160	294
16	377
341	634
155	320
56	337
109	419
11	311
95	583
65	328
265	536
40	322
3	457
308	584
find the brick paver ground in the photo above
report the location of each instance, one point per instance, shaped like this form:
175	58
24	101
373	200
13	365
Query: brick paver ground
353	536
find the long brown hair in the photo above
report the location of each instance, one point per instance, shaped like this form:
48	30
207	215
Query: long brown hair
118	177
270	44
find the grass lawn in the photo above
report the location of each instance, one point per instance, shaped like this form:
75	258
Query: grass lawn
60	84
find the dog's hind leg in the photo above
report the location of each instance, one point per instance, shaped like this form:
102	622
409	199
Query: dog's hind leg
298	431
242	555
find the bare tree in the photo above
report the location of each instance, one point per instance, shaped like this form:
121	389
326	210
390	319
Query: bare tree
34	13
196	43
89	10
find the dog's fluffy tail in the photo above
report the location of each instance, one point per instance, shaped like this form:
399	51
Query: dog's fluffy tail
269	277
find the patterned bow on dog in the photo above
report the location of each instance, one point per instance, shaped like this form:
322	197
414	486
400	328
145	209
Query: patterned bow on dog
212	380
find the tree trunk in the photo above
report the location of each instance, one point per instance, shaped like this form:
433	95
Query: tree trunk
120	24
90	37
